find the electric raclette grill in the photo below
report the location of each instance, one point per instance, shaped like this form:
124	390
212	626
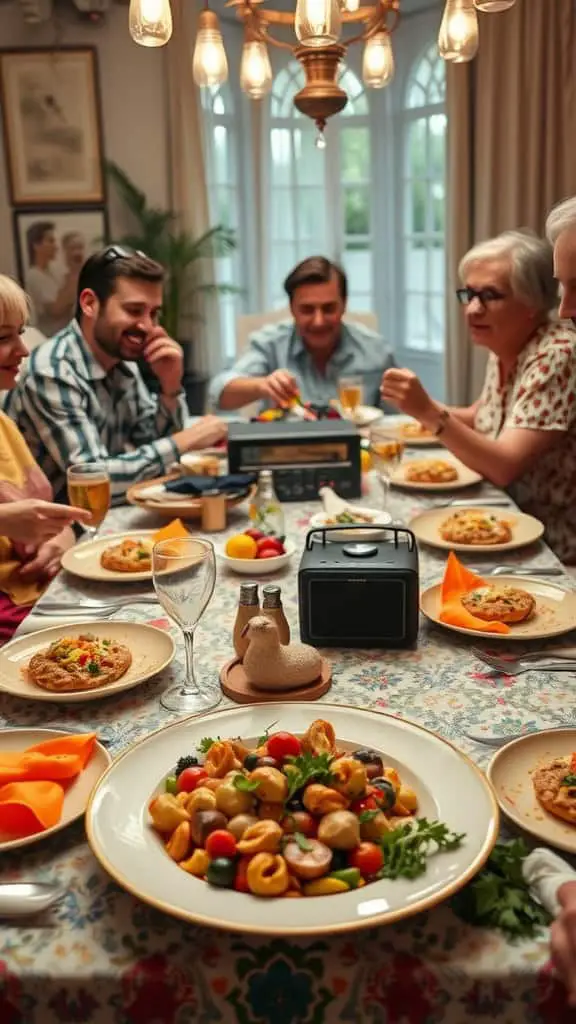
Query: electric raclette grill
359	593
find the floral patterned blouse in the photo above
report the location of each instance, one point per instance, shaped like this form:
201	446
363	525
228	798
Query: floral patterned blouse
540	394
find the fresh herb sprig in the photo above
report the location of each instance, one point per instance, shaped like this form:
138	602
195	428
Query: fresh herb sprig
206	742
407	848
500	898
569	780
307	768
263	739
245	785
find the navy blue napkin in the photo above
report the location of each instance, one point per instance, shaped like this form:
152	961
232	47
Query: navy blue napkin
235	483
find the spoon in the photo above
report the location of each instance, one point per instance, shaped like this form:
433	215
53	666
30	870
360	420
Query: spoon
18	899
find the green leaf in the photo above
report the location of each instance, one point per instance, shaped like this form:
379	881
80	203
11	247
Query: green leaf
365	816
569	780
308	768
262	739
205	743
245	785
304	843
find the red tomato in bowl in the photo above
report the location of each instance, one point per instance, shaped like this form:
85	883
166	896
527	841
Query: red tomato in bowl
283	744
255	534
190	778
368	858
267	553
269	544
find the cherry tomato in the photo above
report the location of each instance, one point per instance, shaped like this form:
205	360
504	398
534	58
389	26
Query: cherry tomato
190	778
220	843
269	542
240	880
368	858
364	803
255	534
283	744
268	553
299	821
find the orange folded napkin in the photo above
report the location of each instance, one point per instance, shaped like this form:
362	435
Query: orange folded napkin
31	790
458	580
171	531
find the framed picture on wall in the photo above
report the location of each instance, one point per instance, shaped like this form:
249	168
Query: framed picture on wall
51	246
52	126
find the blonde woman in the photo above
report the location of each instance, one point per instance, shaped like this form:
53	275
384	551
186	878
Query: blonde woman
34	532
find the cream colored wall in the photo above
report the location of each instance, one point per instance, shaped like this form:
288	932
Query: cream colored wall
132	98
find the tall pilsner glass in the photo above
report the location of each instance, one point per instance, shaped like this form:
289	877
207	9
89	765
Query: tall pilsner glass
184	574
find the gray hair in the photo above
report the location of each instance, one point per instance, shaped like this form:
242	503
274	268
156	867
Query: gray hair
561	218
531	266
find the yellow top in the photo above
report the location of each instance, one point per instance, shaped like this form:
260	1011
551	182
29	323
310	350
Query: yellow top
20	478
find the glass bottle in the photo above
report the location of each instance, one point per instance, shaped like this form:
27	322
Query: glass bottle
248	607
265	510
272	609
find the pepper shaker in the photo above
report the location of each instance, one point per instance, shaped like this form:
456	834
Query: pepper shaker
213	511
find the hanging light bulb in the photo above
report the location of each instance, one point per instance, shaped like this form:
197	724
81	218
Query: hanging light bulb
492	6
317	22
255	70
350	6
209	64
150	22
378	61
458	39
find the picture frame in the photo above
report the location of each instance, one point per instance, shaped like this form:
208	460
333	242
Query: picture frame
51	246
52	126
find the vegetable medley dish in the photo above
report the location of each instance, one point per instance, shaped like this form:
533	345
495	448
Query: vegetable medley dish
128	556
293	817
79	663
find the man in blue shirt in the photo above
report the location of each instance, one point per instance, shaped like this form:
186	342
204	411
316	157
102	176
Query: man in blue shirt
308	354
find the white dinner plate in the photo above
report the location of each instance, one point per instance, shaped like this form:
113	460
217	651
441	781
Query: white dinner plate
362	533
152	650
449	787
76	792
465	478
555	610
525	529
84	558
367	414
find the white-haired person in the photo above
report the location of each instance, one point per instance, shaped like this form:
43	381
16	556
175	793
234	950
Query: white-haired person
520	433
34	532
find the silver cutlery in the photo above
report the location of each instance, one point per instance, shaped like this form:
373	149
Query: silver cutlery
500	741
470	503
569	653
512	570
518	666
88	610
18	899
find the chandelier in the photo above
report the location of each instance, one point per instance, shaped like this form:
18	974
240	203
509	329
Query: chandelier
324	30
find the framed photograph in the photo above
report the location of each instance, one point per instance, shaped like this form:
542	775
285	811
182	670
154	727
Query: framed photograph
51	246
52	126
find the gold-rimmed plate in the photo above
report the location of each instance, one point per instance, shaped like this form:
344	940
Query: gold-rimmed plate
448	785
464	477
510	772
84	558
554	615
76	792
525	529
152	650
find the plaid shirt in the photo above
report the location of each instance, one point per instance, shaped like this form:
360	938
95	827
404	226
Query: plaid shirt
70	409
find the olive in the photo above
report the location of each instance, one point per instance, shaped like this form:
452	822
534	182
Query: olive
251	761
372	771
339	860
205	822
295	804
222	872
268	762
369	757
387	790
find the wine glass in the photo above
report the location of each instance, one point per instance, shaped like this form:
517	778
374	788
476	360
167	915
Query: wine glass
184	574
89	488
386	450
350	394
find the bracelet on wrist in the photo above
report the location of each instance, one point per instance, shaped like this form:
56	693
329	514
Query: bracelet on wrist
442	421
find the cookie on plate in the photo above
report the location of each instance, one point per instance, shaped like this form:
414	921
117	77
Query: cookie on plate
430	471
555	787
79	663
499	604
472	526
128	556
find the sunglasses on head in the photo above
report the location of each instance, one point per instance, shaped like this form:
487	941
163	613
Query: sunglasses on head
118	252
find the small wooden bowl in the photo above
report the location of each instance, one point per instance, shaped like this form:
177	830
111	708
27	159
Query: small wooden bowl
236	686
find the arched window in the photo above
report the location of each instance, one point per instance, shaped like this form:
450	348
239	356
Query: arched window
424	159
222	177
319	198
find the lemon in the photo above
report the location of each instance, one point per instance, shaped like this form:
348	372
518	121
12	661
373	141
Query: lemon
365	461
241	546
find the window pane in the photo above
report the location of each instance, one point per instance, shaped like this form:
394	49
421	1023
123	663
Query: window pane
416	321
416	207
437	267
358	266
311	211
283	221
436	322
416	151
355	154
356	210
221	165
310	166
438	202
281	153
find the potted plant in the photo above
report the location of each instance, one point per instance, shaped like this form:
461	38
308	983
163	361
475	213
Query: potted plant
183	257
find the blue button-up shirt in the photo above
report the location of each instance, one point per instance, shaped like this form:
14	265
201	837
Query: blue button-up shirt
360	352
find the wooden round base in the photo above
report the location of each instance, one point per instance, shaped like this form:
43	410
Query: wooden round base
236	686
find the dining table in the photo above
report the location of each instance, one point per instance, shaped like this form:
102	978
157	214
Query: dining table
102	956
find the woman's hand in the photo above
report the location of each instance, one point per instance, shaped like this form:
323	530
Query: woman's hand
45	562
403	389
563	939
32	521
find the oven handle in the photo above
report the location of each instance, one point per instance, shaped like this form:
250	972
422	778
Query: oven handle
355	526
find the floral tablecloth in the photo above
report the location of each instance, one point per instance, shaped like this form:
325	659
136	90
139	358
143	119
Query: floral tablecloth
103	957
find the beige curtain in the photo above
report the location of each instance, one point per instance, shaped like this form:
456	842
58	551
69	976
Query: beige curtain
187	176
511	131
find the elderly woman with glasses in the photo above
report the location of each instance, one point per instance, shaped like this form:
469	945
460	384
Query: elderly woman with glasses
521	431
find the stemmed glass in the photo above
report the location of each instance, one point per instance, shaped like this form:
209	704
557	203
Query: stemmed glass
386	450
184	574
89	488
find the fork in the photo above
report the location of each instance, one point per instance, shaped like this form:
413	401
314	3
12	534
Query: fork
565	662
513	570
98	608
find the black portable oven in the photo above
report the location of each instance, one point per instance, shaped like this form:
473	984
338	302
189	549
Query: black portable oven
303	455
359	594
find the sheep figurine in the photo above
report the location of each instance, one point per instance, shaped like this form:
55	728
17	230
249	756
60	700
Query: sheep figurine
270	666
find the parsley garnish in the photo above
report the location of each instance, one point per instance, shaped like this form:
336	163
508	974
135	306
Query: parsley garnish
569	780
245	785
407	848
500	898
263	739
307	768
93	668
366	816
206	742
304	843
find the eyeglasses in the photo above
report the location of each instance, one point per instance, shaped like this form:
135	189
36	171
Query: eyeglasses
485	296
